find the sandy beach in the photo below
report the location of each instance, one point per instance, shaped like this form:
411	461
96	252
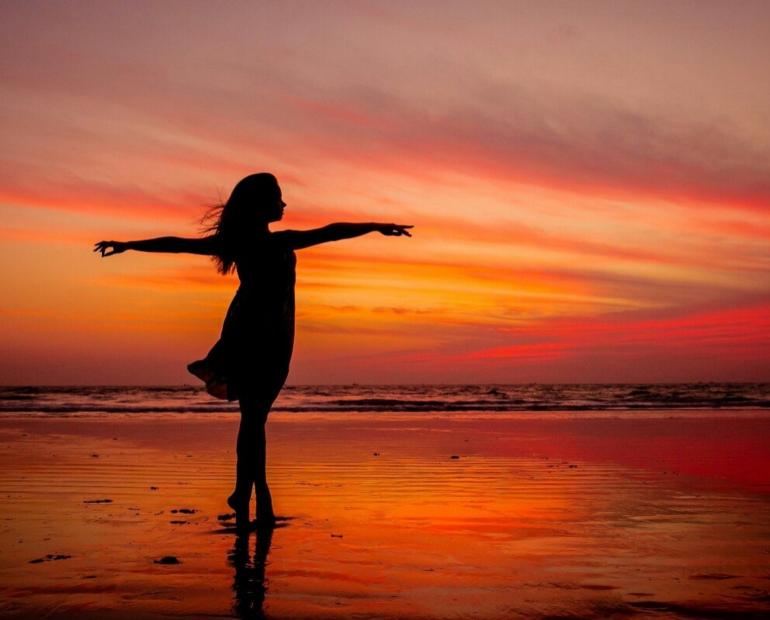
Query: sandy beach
582	515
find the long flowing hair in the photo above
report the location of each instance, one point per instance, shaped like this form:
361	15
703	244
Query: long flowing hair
234	222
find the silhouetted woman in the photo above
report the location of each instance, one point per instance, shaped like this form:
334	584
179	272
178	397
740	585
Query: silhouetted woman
250	361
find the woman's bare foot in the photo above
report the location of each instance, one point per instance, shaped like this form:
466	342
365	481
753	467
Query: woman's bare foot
265	520
241	507
265	514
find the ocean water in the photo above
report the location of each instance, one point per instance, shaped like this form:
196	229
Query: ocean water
75	400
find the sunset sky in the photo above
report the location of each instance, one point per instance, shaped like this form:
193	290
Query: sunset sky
589	184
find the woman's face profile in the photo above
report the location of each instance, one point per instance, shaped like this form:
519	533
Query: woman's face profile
268	205
275	207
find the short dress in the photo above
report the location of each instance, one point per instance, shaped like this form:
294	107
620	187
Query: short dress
251	358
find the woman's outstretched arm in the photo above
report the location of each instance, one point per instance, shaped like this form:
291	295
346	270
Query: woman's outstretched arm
299	239
205	245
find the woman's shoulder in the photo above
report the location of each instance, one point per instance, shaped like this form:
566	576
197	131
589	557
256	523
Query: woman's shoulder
282	238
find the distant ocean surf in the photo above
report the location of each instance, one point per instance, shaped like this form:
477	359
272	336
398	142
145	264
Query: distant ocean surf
393	398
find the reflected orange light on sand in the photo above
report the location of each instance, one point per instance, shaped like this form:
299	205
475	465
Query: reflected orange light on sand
534	506
570	198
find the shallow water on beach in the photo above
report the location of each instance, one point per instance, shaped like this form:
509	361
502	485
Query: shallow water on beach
389	517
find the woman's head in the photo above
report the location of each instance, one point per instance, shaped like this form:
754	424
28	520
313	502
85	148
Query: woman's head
256	198
254	202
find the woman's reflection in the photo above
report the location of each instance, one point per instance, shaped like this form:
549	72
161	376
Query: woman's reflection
249	586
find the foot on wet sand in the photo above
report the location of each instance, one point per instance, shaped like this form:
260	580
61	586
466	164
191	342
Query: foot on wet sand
241	508
265	520
265	513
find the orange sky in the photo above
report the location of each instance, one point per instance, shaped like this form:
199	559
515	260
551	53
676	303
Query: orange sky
590	185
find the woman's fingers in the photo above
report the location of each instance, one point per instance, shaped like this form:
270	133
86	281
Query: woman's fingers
107	248
396	230
401	229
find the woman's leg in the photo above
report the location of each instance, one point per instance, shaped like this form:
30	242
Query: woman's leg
265	514
252	457
244	468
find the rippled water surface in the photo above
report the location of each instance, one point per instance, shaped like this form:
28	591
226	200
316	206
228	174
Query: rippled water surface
395	398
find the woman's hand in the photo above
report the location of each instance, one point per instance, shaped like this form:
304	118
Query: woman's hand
108	248
394	230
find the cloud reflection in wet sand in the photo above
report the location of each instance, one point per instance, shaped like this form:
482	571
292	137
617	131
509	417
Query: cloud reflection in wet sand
534	519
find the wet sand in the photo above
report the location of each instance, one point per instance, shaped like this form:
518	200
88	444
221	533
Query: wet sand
663	515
